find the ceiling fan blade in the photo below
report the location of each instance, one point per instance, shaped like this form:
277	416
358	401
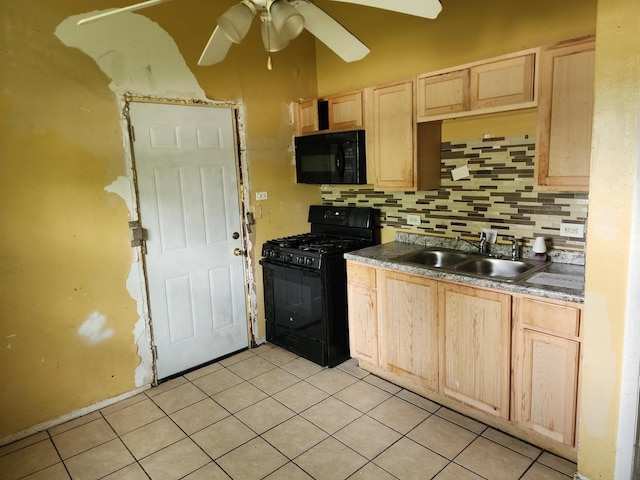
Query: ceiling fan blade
130	8
326	29
216	48
418	8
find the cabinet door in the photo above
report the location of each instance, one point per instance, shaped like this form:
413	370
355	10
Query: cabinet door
392	143
504	82
546	366
307	116
546	382
475	331
442	94
409	328
363	313
345	111
565	115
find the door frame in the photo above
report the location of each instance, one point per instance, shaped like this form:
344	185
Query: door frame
144	339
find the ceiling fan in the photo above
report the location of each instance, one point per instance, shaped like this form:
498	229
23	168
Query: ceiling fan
283	20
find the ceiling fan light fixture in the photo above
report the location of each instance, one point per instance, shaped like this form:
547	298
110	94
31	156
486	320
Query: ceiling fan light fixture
272	40
235	22
286	19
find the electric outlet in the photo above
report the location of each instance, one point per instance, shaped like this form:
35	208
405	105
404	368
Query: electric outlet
261	195
490	235
413	219
573	230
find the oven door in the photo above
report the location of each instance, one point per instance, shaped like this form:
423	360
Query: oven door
294	309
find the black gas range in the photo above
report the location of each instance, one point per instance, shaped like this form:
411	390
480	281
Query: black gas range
305	286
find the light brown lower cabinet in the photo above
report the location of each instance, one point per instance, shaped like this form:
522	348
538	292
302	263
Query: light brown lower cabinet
512	359
546	368
363	312
475	334
408	327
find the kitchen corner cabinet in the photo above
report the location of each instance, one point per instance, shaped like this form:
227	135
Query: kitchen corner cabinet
475	333
363	312
408	328
546	368
401	156
565	116
333	113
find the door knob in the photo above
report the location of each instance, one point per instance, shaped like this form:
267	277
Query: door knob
238	252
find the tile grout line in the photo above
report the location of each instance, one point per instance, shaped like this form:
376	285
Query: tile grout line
184	380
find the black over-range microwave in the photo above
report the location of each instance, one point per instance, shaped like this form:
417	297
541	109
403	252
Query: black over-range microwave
337	157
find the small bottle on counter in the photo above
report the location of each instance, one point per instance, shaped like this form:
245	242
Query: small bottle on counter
539	249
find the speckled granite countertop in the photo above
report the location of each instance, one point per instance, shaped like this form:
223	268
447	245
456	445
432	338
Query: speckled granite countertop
571	266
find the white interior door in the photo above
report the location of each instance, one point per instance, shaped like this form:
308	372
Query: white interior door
185	160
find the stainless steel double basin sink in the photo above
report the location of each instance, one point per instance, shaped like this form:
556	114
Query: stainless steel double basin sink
455	261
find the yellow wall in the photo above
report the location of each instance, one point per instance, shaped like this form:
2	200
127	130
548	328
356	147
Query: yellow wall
614	176
64	240
402	46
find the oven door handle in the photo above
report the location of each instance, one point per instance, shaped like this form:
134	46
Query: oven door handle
312	272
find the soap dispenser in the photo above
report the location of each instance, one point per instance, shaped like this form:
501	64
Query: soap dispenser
539	249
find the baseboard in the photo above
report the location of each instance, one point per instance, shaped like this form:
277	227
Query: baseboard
70	416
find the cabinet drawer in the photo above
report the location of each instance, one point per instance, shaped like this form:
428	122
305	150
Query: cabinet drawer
562	319
361	275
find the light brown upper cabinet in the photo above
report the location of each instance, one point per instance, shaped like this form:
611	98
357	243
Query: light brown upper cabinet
345	111
443	94
335	112
306	116
565	115
488	86
401	155
503	82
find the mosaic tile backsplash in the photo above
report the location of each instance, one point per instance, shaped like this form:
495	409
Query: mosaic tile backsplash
498	194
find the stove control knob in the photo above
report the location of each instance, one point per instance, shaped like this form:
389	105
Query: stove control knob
309	261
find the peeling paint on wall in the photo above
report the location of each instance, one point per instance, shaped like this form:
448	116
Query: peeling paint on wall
123	188
136	53
141	59
93	329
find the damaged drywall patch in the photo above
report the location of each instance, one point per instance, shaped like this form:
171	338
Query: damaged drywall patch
140	58
135	287
136	53
93	330
122	188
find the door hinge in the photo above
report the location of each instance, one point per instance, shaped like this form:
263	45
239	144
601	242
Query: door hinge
138	236
154	352
132	132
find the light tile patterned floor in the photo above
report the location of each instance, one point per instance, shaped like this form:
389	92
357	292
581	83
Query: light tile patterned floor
268	414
